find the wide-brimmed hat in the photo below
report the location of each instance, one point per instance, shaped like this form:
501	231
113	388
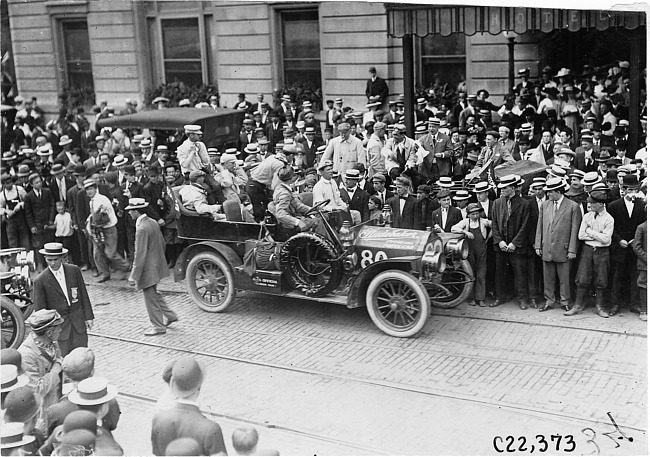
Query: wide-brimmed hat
44	318
187	374
482	186
8	156
508	180
251	148
65	139
57	168
563	72
146	143
93	391
326	163
11	380
379	177
462	195
225	158
192	128
13	436
557	171
577	174
51	249
443	194
160	100
603	156
566	151
555	184
120	160
352	174
137	203
89	183
590	178
23	170
445	181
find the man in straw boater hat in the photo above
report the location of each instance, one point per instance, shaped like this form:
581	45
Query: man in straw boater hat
150	266
184	419
556	241
61	287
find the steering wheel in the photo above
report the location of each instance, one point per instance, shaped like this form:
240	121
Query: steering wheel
317	207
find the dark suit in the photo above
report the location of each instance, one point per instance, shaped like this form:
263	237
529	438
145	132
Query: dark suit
513	229
358	202
274	134
149	267
409	217
57	413
38	213
426	207
54	187
377	87
243	141
454	216
49	295
310	152
389	195
624	258
184	420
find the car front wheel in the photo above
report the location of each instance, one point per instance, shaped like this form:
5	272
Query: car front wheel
398	304
211	282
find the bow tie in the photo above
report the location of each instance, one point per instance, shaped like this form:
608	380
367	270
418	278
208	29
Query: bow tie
402	198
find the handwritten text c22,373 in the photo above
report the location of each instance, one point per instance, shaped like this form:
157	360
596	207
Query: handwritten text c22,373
541	443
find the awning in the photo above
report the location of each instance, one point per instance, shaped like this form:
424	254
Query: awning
423	20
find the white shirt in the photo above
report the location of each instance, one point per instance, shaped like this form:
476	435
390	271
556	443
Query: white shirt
629	205
327	189
62	189
402	202
443	212
60	278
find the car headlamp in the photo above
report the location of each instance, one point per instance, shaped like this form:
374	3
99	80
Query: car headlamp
457	249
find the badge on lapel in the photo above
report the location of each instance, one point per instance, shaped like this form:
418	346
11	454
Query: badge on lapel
74	294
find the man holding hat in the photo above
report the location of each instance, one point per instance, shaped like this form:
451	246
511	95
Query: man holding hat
595	232
192	153
150	266
61	287
556	241
628	213
400	153
510	219
42	356
437	159
185	419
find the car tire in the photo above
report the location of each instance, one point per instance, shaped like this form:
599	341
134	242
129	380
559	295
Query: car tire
13	324
398	303
211	282
455	294
308	261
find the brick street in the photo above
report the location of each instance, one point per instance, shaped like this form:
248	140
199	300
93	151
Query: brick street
322	379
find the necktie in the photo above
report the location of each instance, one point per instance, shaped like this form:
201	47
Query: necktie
509	207
555	206
62	189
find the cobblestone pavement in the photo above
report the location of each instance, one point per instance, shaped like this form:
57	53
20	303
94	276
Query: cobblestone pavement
300	371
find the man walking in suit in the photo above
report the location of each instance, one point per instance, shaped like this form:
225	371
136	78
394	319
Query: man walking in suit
628	213
556	241
406	214
445	217
61	287
510	218
150	266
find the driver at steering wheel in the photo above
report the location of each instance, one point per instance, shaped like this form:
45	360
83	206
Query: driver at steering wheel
289	210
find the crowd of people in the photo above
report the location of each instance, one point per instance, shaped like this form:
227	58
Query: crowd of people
109	200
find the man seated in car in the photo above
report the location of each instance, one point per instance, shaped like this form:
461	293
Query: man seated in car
195	197
289	210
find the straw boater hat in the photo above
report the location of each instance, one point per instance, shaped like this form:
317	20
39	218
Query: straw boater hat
508	180
120	160
93	391
11	380
462	195
52	249
65	139
555	184
191	128
12	436
445	181
137	203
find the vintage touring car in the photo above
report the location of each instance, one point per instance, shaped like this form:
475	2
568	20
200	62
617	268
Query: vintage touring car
395	273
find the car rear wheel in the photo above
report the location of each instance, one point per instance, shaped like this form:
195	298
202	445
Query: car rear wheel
13	324
397	302
211	282
455	287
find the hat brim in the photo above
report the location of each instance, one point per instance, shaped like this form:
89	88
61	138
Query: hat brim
26	440
21	381
504	185
111	392
144	205
63	143
444	185
44	252
7	159
461	198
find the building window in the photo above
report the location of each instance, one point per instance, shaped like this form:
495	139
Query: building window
182	50
79	72
443	59
301	47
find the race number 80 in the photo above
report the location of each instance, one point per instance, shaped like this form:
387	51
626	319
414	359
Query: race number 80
367	257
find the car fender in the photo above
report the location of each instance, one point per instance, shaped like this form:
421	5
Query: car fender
357	291
223	250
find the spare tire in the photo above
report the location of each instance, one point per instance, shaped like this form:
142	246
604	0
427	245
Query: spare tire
311	264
